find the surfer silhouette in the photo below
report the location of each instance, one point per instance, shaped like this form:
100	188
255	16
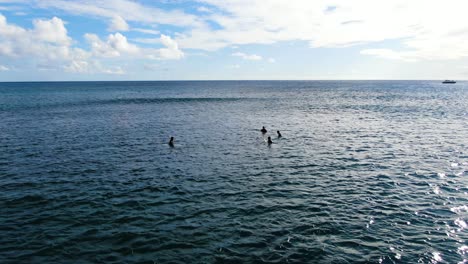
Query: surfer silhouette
263	130
171	142
269	141
279	134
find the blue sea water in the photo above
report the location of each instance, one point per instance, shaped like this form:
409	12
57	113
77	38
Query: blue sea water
366	172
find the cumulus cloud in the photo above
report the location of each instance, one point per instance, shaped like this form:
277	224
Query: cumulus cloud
100	48
4	68
47	40
247	56
52	31
117	45
117	23
47	44
172	50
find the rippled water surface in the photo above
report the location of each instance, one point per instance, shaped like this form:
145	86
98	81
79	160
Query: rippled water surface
366	171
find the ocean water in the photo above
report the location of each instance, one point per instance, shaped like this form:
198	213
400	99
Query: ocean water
366	172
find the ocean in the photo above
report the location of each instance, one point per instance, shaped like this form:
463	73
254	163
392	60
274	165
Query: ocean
365	172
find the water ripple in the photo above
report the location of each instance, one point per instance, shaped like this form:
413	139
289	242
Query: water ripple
366	172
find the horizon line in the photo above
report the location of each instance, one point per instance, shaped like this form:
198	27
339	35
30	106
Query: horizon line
227	80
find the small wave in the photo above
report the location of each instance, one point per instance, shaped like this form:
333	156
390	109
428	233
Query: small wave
134	101
166	100
27	200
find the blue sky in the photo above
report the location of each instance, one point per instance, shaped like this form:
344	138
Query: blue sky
232	39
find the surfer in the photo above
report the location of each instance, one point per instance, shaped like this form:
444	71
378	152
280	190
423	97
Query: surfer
279	134
269	141
171	142
263	130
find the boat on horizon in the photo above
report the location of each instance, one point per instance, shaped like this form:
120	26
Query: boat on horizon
449	81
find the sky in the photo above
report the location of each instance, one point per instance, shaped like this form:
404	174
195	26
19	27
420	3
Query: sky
83	40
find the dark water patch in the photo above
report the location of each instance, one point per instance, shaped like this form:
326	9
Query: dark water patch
124	102
27	201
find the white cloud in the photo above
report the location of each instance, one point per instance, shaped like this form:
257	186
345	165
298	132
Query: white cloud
52	31
204	9
47	40
247	56
100	48
426	25
390	54
5	8
12	5
91	67
4	68
117	23
420	30
117	45
9	31
424	47
115	70
77	66
172	50
128	10
147	31
148	40
47	44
